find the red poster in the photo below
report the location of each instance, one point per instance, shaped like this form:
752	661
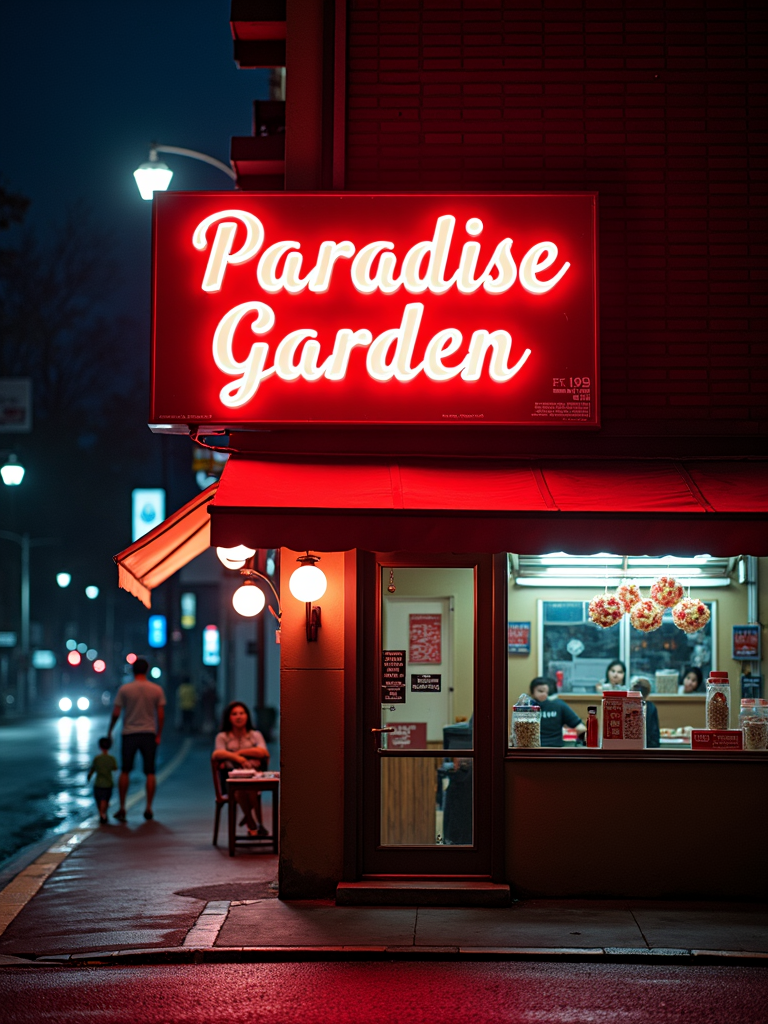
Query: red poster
425	646
407	735
435	308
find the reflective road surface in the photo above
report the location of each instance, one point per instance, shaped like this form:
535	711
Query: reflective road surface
43	768
386	993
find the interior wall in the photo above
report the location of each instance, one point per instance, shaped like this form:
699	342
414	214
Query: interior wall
312	738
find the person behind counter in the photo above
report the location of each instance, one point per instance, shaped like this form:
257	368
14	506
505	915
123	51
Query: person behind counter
555	713
615	677
692	681
652	732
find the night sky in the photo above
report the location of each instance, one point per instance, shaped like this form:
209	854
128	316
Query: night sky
87	85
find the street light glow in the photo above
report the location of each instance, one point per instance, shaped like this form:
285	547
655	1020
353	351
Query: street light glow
92	593
152	176
130	658
12	472
63	579
73	658
83	703
65	704
99	666
155	672
71	645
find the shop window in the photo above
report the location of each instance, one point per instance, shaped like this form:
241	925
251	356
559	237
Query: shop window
581	651
573	645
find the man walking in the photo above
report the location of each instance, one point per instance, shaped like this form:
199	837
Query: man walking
143	706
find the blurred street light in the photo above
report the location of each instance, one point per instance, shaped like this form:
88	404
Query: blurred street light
63	579
92	593
155	176
12	472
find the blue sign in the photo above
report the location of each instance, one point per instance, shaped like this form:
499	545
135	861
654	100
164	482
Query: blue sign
158	631
211	646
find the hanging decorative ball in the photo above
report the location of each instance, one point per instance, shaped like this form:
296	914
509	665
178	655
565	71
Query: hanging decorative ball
646	616
605	610
691	615
666	591
391	588
629	594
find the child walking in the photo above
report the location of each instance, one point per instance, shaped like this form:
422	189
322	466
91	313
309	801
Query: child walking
103	765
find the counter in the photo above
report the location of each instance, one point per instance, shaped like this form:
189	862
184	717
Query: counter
653	824
674	710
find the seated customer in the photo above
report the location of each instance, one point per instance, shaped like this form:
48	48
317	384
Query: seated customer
652	733
239	745
555	713
692	682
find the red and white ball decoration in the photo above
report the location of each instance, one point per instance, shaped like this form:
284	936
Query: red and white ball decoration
629	594
666	591
690	615
605	610
646	615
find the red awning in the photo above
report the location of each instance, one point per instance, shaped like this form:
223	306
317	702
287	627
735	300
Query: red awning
652	507
151	559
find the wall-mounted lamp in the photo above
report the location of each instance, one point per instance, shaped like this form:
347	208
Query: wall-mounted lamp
308	584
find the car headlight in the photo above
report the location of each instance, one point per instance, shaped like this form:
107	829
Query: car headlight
83	703
65	704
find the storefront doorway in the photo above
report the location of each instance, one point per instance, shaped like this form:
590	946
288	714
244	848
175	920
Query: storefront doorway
427	730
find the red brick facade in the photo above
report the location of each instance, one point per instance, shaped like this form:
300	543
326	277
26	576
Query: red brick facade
657	105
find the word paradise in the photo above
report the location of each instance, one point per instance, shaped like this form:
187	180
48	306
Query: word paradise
283	308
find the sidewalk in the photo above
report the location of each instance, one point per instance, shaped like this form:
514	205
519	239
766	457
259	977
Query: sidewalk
159	891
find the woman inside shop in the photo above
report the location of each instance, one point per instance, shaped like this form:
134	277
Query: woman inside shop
239	745
692	681
615	677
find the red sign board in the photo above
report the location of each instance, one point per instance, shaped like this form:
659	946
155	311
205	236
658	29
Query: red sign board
407	735
288	308
716	739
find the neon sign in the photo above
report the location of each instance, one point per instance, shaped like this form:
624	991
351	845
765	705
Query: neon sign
283	308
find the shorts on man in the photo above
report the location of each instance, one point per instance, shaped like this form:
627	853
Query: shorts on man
145	742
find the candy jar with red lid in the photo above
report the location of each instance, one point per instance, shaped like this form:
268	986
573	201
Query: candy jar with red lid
718	700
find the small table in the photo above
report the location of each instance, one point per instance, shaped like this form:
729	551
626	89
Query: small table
234	786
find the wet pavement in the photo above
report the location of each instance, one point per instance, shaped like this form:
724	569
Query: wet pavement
43	767
385	993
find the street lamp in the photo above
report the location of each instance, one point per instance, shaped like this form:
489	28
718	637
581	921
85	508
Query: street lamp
63	579
155	176
12	472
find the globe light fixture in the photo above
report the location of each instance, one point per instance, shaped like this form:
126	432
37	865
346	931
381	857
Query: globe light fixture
63	579
236	557
12	472
248	600
92	593
155	176
308	583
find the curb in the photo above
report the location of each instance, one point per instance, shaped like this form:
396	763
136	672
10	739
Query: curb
179	955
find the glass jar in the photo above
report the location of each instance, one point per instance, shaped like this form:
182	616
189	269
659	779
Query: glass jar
718	701
753	722
526	725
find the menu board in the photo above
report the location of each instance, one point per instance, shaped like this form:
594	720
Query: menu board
393	677
426	684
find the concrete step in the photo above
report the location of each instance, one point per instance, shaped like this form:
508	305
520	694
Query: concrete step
423	893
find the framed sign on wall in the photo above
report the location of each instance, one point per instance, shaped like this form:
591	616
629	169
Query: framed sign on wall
289	308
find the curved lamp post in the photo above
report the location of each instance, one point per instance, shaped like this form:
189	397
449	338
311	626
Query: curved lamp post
155	176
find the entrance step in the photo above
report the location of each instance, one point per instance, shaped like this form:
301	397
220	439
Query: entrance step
422	892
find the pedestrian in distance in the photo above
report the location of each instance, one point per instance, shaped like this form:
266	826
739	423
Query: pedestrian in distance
142	704
102	767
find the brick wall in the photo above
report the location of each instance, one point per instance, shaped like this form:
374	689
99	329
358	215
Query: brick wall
660	107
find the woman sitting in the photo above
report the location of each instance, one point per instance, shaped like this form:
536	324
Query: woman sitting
239	745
